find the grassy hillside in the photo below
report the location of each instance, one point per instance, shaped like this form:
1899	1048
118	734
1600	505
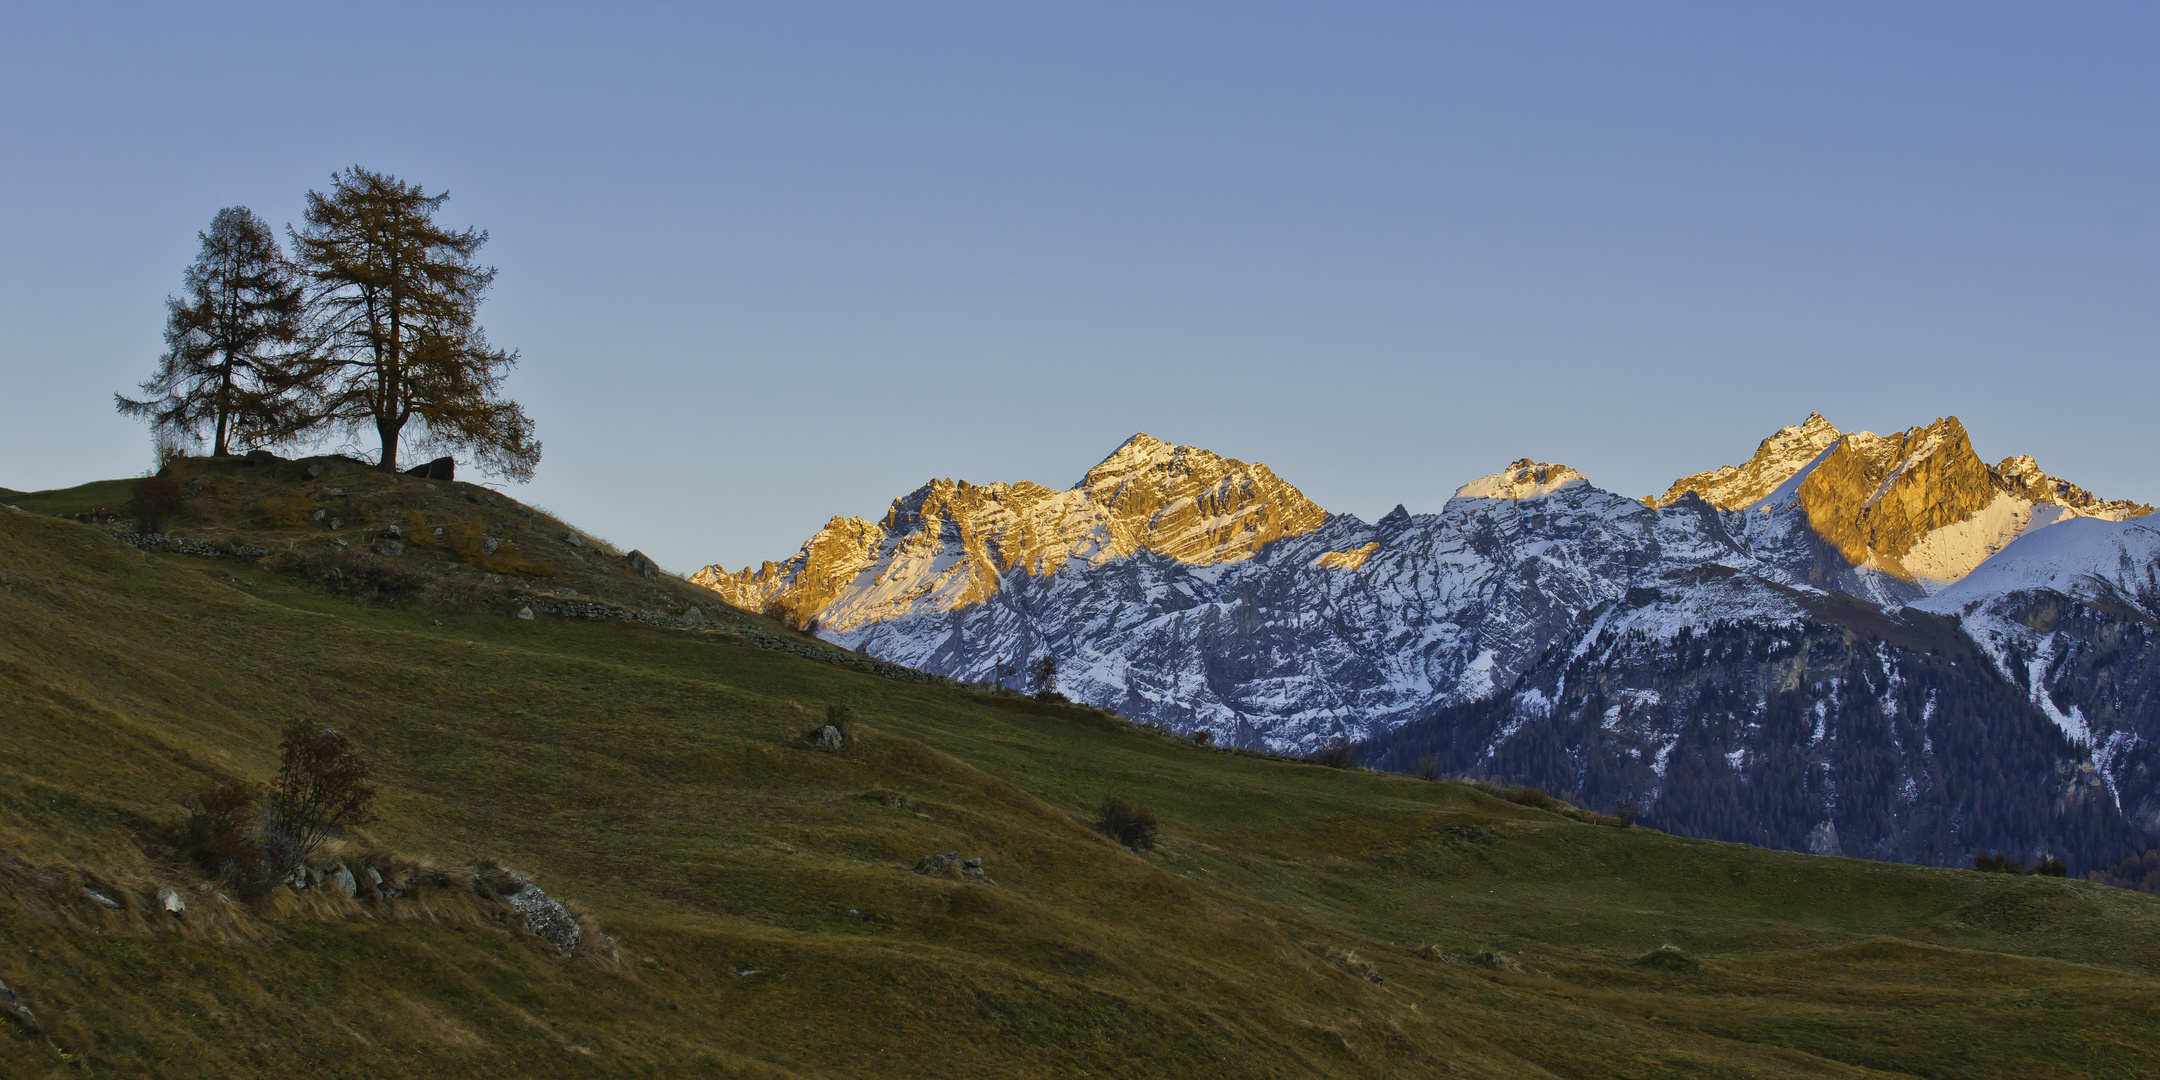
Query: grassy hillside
768	924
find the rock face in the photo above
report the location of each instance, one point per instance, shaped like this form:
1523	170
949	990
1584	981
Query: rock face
947	546
442	468
1197	591
642	566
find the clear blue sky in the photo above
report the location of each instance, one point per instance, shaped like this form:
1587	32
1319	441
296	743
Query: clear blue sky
770	263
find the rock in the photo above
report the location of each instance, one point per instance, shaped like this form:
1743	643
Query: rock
442	468
337	523
1822	840
544	915
492	579
171	901
566	592
573	539
470	499
14	1007
393	532
389	549
316	470
374	877
194	488
693	615
320	514
523	612
297	880
828	737
489	546
343	879
261	458
1495	961
109	903
645	567
438	531
491	501
338	542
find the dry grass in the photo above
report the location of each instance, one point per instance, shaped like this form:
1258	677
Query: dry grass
770	927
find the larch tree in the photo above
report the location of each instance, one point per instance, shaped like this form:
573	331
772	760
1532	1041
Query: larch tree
394	300
227	342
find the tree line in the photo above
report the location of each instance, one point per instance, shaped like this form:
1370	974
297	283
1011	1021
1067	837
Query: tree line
370	324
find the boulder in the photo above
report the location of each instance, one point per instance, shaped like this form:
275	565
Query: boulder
489	546
389	549
14	1007
545	916
171	901
573	539
393	532
442	468
262	457
525	613
315	470
828	737
694	616
645	567
103	900
343	879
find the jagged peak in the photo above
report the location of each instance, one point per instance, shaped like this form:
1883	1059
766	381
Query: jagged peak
1522	479
1776	459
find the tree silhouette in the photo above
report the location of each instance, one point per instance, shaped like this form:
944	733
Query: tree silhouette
227	341
394	299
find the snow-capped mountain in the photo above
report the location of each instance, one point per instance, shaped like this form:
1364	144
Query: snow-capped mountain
1197	591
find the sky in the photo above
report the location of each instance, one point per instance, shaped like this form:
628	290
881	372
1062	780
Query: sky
766	264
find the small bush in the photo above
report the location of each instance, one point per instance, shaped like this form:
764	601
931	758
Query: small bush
842	717
1128	823
1042	678
1337	754
1626	813
217	836
276	512
1427	767
321	788
1997	864
510	562
1203	738
156	499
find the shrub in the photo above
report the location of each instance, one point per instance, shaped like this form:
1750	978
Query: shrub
1626	813
1427	767
1203	738
156	499
2052	867
281	513
321	788
1128	823
217	836
1042	677
1337	754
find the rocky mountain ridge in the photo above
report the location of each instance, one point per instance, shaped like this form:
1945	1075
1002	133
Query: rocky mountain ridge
1200	592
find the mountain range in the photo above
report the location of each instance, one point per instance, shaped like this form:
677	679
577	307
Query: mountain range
1850	643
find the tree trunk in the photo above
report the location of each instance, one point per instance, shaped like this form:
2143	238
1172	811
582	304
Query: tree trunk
388	429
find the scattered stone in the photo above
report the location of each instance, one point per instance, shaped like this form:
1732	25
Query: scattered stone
828	737
544	915
261	457
14	1007
438	530
566	592
194	488
524	613
109	903
491	501
297	880
1495	961
333	491
393	532
470	499
1429	952
645	567
389	549
320	514
1667	958
315	471
337	523
693	615
343	879
442	468
338	542
490	545
492	579
171	901
1347	961
949	865
573	539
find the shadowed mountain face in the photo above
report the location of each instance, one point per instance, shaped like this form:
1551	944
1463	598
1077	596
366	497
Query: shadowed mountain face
1198	592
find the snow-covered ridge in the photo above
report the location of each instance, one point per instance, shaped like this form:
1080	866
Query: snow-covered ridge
1524	479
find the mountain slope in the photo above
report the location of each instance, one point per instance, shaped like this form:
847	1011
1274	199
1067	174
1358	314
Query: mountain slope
769	926
1348	630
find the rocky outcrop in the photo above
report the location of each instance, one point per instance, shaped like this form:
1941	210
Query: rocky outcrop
1776	460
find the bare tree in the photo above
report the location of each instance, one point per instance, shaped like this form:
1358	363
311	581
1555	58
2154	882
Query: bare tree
395	300
227	341
321	787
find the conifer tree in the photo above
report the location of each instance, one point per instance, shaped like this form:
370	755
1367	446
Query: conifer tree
227	340
394	298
